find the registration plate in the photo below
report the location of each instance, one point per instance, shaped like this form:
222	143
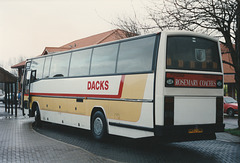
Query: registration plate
195	131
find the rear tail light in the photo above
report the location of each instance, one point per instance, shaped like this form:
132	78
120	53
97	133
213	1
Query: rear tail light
219	111
169	111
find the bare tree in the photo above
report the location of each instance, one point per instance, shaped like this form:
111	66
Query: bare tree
13	61
214	17
132	25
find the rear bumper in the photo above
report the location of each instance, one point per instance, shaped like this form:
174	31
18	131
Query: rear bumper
184	130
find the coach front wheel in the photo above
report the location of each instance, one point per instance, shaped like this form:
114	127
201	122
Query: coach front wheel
37	118
99	126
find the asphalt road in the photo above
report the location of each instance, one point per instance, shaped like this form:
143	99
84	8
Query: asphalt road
149	150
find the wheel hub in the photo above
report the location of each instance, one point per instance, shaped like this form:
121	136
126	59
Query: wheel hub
98	126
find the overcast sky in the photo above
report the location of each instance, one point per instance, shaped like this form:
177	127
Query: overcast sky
28	26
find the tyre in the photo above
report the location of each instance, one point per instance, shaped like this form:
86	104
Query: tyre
38	122
230	112
99	126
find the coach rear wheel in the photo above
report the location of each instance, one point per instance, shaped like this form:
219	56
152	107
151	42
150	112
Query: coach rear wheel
99	126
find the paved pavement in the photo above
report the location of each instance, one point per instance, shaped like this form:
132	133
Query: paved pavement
19	142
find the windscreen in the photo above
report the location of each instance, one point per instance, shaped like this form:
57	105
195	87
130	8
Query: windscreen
192	53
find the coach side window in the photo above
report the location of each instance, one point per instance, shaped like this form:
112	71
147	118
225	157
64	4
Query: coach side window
59	65
37	64
46	67
136	55
80	63
104	59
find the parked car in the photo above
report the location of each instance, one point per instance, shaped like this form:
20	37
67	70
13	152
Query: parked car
2	98
230	106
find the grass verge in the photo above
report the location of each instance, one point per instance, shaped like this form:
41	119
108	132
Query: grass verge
235	131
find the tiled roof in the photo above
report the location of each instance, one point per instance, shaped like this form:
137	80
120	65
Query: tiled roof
108	36
48	50
19	65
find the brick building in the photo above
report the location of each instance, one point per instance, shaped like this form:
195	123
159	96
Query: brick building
229	73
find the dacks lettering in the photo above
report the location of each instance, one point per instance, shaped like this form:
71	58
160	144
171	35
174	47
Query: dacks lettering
98	85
